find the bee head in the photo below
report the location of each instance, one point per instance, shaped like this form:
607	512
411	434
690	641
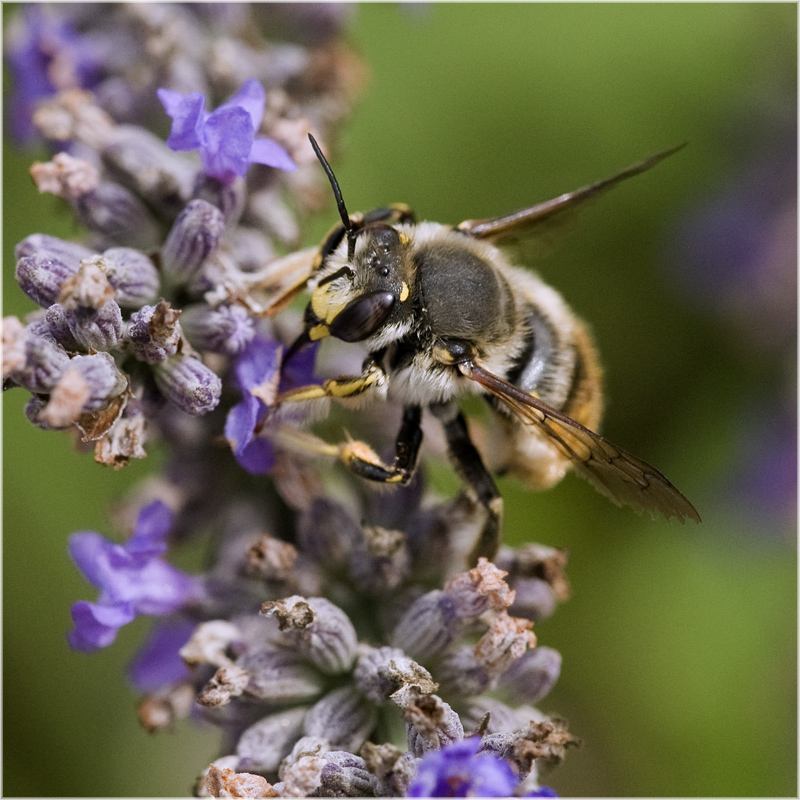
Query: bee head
362	281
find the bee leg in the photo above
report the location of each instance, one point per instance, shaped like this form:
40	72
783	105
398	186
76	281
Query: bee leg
354	454
372	378
409	439
470	466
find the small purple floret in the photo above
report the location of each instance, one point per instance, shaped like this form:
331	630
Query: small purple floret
456	771
131	577
158	662
226	137
258	363
46	54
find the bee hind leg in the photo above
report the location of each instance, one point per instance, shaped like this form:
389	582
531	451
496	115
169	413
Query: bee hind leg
470	467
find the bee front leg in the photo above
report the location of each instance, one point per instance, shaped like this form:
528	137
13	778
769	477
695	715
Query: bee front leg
470	466
372	378
356	455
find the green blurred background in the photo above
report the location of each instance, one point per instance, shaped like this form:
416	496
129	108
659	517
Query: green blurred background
679	643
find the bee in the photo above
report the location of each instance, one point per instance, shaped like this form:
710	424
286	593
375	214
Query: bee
443	312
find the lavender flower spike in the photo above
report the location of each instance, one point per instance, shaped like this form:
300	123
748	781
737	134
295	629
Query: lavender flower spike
226	138
132	579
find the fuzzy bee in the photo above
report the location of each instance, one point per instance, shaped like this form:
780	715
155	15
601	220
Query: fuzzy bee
442	312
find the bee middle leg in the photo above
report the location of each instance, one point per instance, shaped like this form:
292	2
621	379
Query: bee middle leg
470	466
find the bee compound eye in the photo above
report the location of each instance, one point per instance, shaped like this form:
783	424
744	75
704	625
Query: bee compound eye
363	316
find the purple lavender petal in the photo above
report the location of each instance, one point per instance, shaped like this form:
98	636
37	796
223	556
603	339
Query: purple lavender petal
188	115
96	625
269	152
257	457
252	98
38	40
227	142
158	662
241	422
299	370
258	363
90	552
154	522
456	771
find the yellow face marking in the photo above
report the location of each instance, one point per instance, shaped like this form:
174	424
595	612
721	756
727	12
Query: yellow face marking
404	292
318	332
404	237
326	305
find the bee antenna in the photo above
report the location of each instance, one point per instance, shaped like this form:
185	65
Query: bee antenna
337	193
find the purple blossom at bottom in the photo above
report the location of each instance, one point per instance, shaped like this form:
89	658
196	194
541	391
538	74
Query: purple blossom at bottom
226	138
132	579
457	771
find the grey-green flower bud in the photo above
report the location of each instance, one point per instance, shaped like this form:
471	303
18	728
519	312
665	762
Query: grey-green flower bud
262	747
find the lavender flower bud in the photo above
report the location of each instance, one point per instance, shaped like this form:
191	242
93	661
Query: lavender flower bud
546	739
462	674
116	216
534	599
58	327
262	747
154	332
132	275
226	683
277	676
71	253
229	198
96	329
343	717
322	632
345	775
41	276
382	671
393	769
194	238
430	723
428	626
478	590
33	411
326	532
144	163
532	677
226	329
381	559
102	377
506	641
44	361
501	717
188	384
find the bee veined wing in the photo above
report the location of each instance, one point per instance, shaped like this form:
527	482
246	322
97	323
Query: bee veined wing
619	475
542	216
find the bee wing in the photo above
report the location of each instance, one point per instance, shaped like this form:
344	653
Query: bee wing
552	213
619	475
